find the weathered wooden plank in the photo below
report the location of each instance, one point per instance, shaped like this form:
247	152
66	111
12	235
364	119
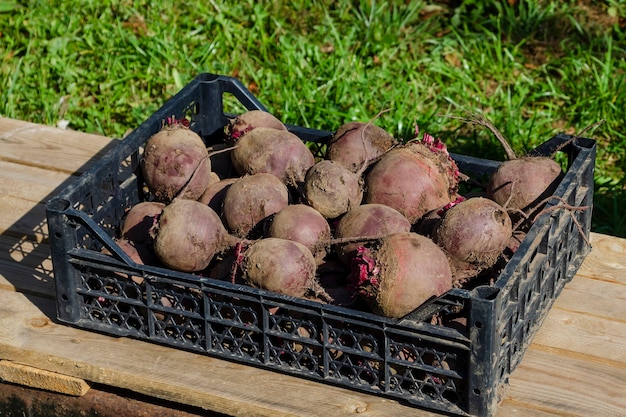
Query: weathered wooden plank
578	335
609	298
25	266
101	401
539	387
23	218
25	191
50	148
36	163
30	183
29	336
17	373
557	385
607	262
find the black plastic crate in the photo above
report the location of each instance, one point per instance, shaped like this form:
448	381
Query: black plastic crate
458	368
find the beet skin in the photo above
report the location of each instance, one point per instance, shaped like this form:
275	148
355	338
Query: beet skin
400	272
176	163
189	235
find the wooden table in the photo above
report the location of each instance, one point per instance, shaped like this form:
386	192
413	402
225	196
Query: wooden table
576	365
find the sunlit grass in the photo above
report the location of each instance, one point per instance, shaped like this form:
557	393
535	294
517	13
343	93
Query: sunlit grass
534	69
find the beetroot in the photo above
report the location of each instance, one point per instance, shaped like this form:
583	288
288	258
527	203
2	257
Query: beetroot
280	265
250	200
189	234
176	163
356	144
140	252
273	151
214	193
302	224
139	219
522	183
367	220
473	233
519	184
413	179
249	120
400	272
332	189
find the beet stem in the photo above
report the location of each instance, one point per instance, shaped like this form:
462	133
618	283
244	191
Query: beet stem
482	121
577	136
354	239
508	200
319	293
230	148
366	162
563	205
192	176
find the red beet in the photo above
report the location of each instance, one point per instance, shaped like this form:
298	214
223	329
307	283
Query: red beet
189	235
214	193
250	200
140	252
514	243
474	233
249	120
367	220
356	144
176	163
522	183
400	272
302	224
413	179
280	265
430	221
332	189
273	151
139	219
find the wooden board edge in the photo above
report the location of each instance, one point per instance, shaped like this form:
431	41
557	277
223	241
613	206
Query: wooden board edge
29	376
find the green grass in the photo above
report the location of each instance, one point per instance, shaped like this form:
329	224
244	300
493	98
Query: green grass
534	69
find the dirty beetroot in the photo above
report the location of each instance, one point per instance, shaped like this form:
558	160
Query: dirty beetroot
399	273
414	178
378	224
473	233
176	163
186	245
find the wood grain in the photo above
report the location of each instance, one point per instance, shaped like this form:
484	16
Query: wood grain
50	148
25	190
25	266
38	378
550	384
609	299
29	335
578	335
608	261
